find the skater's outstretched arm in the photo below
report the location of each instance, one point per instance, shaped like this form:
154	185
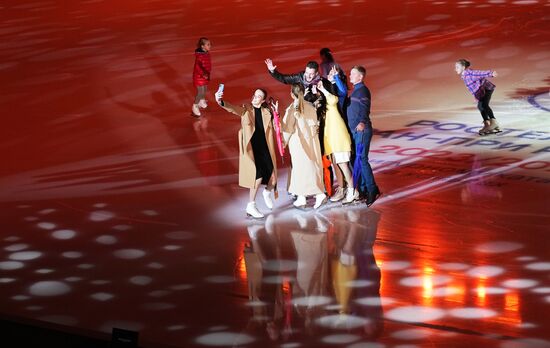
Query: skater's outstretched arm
284	78
480	74
234	109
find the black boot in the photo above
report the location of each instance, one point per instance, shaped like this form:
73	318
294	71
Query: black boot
372	196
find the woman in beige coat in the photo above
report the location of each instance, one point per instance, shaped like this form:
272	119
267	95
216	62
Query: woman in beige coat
301	132
257	161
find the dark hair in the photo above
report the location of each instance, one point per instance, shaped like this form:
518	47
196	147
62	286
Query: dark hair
264	92
202	41
361	69
265	103
463	62
312	65
326	55
321	107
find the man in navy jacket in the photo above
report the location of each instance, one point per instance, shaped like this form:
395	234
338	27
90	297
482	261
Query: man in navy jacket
357	111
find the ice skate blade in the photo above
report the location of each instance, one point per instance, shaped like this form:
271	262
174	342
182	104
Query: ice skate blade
489	133
253	217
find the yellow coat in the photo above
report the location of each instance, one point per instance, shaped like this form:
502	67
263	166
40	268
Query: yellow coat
247	166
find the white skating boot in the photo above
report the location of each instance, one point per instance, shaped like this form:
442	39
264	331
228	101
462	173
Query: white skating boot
267	198
300	202
494	127
203	104
483	130
351	195
195	110
252	211
319	200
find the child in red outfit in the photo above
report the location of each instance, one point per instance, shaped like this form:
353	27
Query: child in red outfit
201	74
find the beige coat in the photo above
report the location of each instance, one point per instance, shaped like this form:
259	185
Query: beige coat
300	132
247	166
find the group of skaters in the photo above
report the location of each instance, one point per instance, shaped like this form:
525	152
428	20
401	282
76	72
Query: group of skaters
326	128
313	126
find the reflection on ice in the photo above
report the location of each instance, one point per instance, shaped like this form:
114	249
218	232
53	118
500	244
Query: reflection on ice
498	247
72	254
11	265
340	339
141	280
64	234
472	313
434	280
220	339
519	283
415	314
341	321
395	265
375	301
311	301
542	290
485	271
539	266
49	288
46	225
102	296
219	279
106	239
412	334
494	291
16	247
129	254
526	343
101	215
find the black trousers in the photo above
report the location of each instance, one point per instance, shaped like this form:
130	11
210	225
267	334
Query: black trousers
483	106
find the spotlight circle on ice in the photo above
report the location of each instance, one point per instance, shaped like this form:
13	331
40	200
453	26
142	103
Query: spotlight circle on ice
49	288
472	313
224	339
63	234
498	247
411	334
539	266
485	271
25	255
16	247
312	301
418	281
129	253
415	314
341	321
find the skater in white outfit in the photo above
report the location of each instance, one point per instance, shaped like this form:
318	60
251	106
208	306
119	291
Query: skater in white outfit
301	132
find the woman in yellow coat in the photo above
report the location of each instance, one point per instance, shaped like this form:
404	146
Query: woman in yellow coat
338	145
257	161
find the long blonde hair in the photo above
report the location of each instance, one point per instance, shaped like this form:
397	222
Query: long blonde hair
297	90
